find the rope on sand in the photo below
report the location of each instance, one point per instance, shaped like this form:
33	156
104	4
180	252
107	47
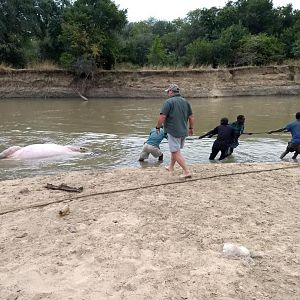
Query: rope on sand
143	187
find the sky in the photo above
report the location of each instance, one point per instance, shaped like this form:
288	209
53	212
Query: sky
139	10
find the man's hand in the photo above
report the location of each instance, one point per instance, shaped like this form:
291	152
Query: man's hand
157	130
191	131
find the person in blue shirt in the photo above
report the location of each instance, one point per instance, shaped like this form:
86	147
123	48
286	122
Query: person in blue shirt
294	144
151	146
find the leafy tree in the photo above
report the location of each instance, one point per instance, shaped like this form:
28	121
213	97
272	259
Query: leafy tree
175	42
18	22
162	28
260	49
157	53
296	48
227	16
50	18
200	52
90	28
284	18
256	15
289	37
225	48
201	24
136	40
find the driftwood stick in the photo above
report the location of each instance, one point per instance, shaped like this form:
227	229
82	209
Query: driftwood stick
81	96
64	187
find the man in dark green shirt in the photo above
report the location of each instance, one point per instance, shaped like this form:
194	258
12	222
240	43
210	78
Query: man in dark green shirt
176	113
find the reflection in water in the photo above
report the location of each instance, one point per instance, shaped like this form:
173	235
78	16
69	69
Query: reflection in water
115	130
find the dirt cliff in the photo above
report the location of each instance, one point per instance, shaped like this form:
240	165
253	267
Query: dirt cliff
246	81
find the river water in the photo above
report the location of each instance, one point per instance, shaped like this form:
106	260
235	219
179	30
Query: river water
114	131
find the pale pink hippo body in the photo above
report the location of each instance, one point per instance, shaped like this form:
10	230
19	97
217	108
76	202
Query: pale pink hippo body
38	151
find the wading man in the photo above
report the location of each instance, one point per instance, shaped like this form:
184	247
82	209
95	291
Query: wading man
294	144
177	116
225	138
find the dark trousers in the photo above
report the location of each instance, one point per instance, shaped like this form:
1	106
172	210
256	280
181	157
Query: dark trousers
291	148
218	146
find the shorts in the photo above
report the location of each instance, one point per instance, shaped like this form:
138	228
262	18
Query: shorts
149	149
175	144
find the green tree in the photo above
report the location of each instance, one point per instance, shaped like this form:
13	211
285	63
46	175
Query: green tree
199	52
256	15
157	53
226	47
175	43
227	16
135	43
89	30
259	49
296	48
18	22
201	24
50	19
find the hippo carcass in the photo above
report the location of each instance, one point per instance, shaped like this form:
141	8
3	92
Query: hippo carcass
38	151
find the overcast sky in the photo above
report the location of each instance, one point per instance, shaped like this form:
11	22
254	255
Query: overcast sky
138	10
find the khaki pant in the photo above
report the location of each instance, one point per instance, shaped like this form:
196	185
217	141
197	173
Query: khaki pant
149	149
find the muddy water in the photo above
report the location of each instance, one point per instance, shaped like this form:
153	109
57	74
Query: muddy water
114	130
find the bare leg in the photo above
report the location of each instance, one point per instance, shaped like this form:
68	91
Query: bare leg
170	167
178	157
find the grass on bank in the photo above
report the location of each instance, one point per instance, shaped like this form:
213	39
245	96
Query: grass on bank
49	66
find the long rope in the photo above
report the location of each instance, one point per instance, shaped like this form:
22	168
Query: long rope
143	187
137	146
195	138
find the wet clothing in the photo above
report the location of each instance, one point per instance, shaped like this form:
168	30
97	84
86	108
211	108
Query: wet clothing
238	130
294	144
224	139
155	138
177	111
294	129
151	146
291	148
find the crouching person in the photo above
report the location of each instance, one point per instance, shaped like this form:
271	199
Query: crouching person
151	146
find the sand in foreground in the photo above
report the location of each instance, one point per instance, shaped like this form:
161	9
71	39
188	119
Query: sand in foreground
124	239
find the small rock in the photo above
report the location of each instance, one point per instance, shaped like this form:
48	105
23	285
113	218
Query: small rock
22	235
24	191
72	229
64	210
235	250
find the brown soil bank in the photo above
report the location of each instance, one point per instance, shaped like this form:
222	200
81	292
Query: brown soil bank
144	234
246	81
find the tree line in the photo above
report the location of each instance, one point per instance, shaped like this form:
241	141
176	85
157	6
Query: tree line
97	34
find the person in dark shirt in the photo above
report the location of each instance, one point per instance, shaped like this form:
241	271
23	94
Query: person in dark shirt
225	137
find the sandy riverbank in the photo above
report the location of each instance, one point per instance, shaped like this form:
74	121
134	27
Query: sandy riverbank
159	242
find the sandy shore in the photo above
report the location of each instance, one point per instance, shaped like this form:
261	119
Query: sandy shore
145	234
